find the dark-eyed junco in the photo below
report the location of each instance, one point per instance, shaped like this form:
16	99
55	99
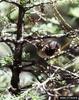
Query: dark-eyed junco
49	49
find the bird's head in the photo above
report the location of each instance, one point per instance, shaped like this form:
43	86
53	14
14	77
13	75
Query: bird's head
49	49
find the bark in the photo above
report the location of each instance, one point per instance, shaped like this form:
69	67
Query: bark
18	52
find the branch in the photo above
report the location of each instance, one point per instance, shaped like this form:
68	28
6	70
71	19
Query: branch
20	23
64	87
67	71
69	34
7	39
14	3
36	5
63	22
59	17
7	66
52	77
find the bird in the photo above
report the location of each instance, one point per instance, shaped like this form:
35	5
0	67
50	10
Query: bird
47	46
49	49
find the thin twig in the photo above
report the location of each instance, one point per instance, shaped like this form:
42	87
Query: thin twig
14	3
36	5
60	18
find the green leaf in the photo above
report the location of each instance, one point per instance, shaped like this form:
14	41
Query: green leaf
14	15
74	12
